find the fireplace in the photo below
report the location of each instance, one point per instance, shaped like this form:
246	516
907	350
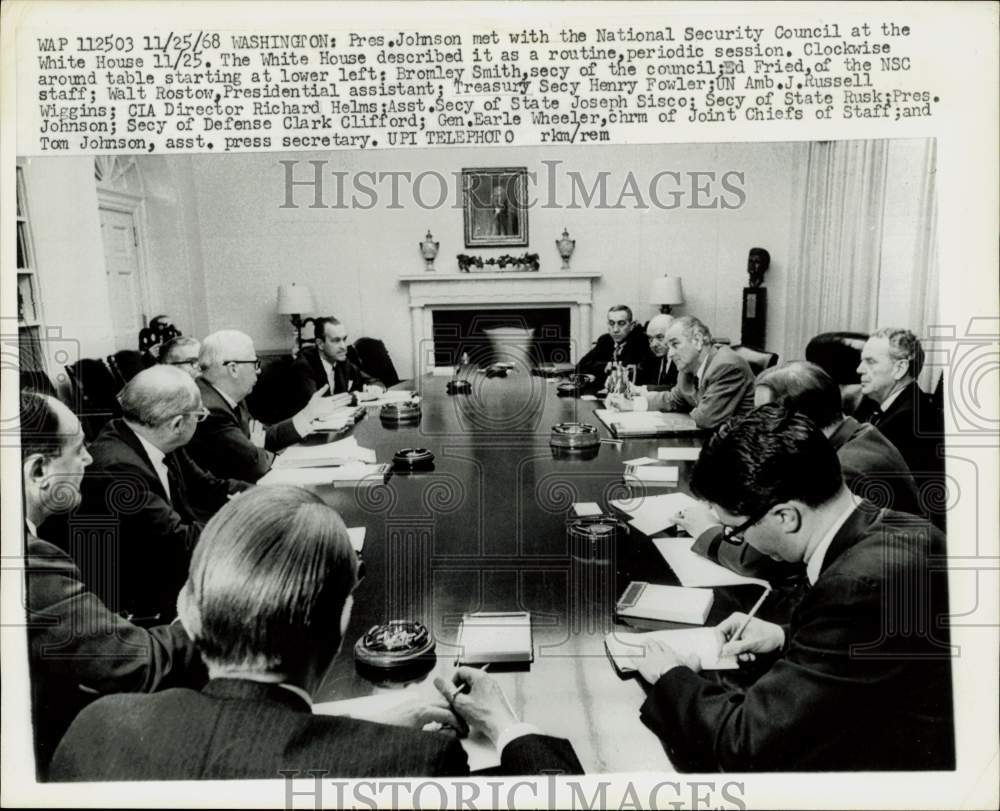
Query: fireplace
444	307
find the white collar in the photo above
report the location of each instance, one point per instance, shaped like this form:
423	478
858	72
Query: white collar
261	678
888	401
814	563
294	688
155	455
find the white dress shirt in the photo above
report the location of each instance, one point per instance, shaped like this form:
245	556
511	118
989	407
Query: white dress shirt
156	457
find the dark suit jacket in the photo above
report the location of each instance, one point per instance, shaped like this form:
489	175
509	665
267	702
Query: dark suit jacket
864	681
78	648
635	351
915	426
873	469
137	544
306	375
244	729
725	390
221	444
657	372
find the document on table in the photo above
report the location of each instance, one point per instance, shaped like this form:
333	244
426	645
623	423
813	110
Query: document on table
381	707
339	418
391	396
662	475
679	454
694	570
705	643
645	423
652	514
495	636
331	454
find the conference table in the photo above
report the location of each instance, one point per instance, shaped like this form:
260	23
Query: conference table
486	530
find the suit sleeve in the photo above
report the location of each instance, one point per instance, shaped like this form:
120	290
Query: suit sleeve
539	754
722	397
741	558
300	386
594	361
277	437
207	492
816	685
680	398
73	634
222	448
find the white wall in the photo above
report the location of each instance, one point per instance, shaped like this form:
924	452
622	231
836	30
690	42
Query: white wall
352	258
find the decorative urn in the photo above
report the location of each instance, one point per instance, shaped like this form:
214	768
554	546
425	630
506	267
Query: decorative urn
429	250
565	246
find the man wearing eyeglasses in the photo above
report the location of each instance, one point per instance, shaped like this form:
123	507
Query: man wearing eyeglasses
624	342
659	372
144	500
181	352
860	678
229	443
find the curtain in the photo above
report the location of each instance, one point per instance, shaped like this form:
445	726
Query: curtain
925	297
834	283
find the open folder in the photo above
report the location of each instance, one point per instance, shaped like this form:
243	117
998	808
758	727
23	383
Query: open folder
652	514
623	647
331	454
694	570
646	423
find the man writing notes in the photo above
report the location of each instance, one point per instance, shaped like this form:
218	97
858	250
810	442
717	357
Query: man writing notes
147	495
227	442
860	679
327	365
713	383
267	602
624	343
77	647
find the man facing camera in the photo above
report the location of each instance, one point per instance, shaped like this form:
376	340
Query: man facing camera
224	442
77	647
144	498
860	679
327	365
267	602
713	383
624	343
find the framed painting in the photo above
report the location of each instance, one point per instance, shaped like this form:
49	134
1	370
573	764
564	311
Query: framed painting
496	211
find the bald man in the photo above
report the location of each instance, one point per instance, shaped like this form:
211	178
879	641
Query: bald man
223	442
144	500
658	372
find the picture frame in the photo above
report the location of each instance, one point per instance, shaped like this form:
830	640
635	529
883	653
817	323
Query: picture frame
495	207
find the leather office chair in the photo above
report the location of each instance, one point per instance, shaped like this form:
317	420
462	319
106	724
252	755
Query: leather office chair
839	354
94	390
372	356
758	360
127	363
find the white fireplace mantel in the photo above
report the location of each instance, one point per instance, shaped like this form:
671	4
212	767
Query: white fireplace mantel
431	291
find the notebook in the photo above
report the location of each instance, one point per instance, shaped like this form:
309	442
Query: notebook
694	570
649	601
652	514
346	475
679	454
651	475
332	453
495	636
705	643
645	423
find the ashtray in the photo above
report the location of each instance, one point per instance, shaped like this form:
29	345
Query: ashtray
458	386
412	459
574	385
395	413
498	369
574	436
398	646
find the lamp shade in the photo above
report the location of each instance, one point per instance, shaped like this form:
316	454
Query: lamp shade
295	299
666	290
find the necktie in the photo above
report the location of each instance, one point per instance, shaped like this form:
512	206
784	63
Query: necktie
333	379
876	416
616	355
695	382
173	478
244	417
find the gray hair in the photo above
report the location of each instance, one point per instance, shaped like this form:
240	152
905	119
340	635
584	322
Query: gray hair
692	326
661	321
903	345
220	346
170	349
158	394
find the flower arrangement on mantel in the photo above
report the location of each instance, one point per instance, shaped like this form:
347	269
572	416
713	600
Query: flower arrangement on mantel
505	264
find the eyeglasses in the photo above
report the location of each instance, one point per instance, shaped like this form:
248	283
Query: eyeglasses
198	415
734	535
188	362
255	362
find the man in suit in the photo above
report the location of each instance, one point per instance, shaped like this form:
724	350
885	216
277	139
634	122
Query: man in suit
624	342
657	372
181	352
145	498
873	469
713	383
327	365
77	647
891	360
227	443
849	683
267	602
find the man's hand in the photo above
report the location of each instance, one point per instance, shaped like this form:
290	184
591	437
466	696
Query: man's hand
423	708
658	658
319	406
257	433
482	703
760	636
696	518
619	402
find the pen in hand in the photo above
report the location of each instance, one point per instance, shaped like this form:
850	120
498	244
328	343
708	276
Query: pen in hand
465	686
753	612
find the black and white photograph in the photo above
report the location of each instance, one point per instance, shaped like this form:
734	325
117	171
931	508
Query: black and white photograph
331	468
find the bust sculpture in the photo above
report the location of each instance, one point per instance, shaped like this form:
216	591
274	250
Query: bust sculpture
758	261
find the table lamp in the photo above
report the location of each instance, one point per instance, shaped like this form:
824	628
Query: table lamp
667	292
295	300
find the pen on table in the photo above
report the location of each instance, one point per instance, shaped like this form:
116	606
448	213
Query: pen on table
612	441
464	686
751	615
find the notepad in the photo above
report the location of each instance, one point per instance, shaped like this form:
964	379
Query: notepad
583	508
501	637
645	423
679	454
331	454
339	418
652	514
656	475
299	477
694	570
705	643
649	601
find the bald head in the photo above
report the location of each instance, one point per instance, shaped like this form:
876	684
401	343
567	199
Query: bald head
228	362
157	394
656	331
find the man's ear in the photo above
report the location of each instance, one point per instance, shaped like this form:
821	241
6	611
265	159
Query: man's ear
790	518
34	469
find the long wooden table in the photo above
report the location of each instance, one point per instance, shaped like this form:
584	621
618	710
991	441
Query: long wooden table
486	531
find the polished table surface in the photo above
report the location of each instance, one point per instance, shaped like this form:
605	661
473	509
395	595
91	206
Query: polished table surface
485	530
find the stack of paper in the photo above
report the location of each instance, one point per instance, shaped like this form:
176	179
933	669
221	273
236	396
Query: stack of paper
679	454
349	474
495	637
339	418
645	423
649	601
694	570
652	514
654	475
391	396
332	453
623	647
